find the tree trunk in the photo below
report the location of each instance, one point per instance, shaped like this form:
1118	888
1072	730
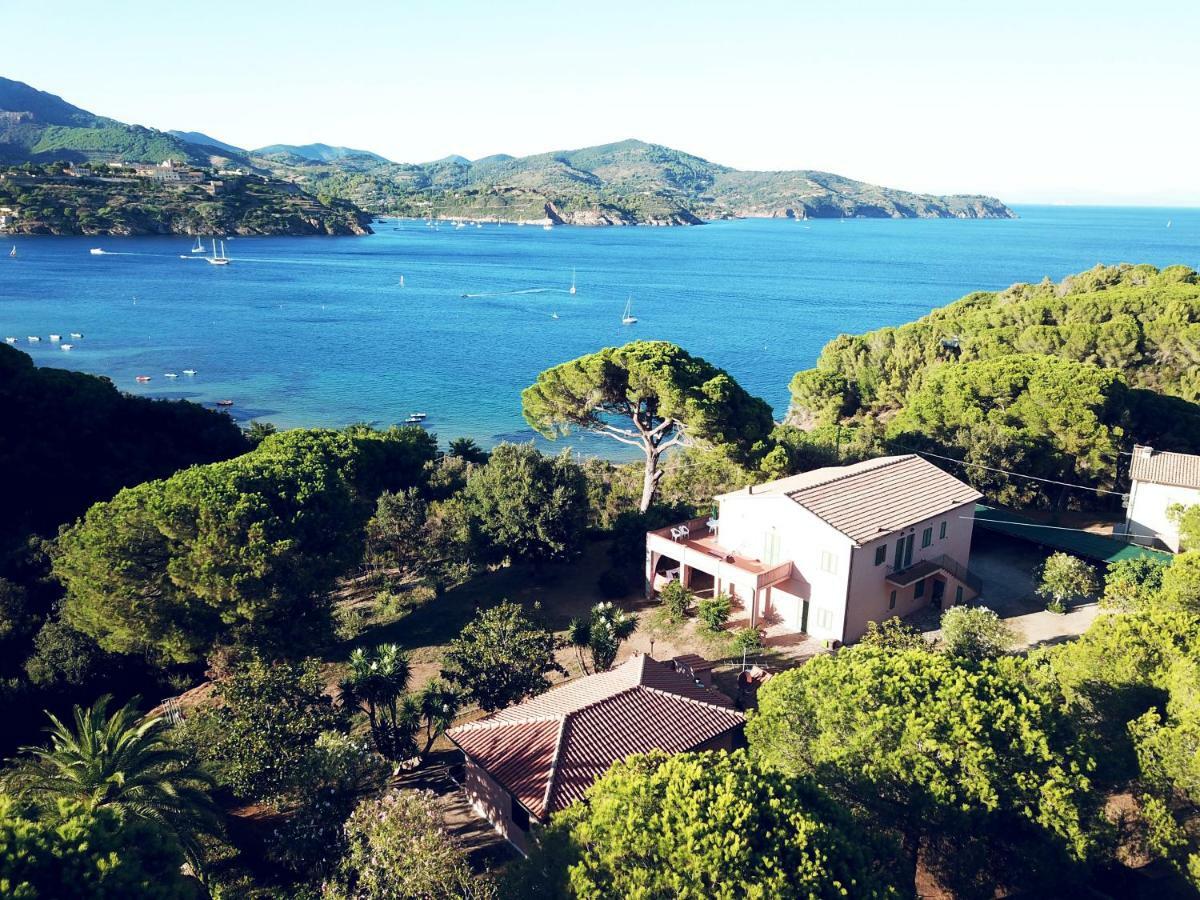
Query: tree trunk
650	479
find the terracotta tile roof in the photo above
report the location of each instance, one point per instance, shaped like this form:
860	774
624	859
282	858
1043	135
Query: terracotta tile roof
1160	467
548	750
875	497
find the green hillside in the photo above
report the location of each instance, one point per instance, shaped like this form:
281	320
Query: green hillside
47	201
628	182
1053	380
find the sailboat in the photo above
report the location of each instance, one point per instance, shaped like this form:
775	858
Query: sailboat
572	291
1168	223
13	251
216	260
401	281
628	318
554	315
199	248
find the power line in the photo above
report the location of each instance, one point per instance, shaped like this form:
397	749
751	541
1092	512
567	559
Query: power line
1069	484
1007	522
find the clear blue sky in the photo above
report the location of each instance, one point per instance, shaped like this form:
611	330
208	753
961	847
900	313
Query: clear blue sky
1031	101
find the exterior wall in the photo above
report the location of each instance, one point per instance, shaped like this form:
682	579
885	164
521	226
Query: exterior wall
746	520
1148	504
494	803
869	591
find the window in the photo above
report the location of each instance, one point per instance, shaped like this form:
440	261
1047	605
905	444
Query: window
919	590
892	601
771	547
927	537
942	532
880	554
824	619
828	562
958	594
520	815
899	563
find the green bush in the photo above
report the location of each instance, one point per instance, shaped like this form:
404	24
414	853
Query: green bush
714	611
675	601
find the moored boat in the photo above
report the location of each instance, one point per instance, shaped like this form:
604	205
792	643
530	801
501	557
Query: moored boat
67	346
224	403
142	379
189	371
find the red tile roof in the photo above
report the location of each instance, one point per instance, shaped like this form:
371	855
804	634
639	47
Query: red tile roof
1161	467
875	497
548	750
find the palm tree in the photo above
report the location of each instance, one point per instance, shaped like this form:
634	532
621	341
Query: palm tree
465	448
579	636
377	681
439	705
126	762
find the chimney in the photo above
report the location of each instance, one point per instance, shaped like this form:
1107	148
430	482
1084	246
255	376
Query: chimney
1146	452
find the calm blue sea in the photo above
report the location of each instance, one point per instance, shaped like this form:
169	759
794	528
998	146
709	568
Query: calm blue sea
318	331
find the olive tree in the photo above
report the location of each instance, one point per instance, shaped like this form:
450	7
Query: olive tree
651	395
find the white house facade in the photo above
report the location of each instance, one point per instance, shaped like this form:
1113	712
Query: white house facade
828	551
1159	480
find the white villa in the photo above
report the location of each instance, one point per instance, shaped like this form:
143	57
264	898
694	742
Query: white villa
1160	480
827	551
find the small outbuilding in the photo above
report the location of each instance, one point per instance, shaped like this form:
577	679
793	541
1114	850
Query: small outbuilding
529	761
1159	481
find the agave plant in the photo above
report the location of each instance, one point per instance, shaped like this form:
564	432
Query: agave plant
124	762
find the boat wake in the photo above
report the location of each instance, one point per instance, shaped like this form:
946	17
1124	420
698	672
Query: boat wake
546	290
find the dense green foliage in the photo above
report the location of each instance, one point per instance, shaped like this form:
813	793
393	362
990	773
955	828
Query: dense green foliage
1133	680
975	632
501	657
266	722
72	852
974	765
704	825
241	551
122	762
1133	584
80	441
527	506
398	849
661	396
1046	379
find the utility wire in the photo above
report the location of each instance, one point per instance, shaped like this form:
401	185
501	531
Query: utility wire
1069	484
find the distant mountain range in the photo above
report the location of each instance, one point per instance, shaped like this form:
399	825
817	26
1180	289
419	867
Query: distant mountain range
629	182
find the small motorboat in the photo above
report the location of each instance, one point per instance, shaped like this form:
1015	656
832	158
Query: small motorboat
33	338
77	334
189	371
413	420
56	337
67	346
142	379
418	415
96	251
10	340
224	403
170	375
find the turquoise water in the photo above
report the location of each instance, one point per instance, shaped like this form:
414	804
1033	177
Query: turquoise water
318	331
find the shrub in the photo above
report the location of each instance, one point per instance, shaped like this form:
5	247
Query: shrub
1064	579
894	634
975	633
675	600
747	640
1131	584
714	611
